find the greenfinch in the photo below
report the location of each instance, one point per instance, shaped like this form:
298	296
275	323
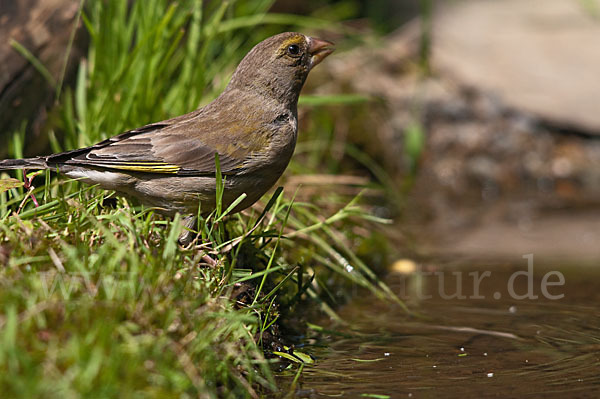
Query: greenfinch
170	165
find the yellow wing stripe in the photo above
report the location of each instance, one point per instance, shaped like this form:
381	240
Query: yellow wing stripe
147	167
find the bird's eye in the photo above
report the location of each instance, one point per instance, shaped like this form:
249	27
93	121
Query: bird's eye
293	49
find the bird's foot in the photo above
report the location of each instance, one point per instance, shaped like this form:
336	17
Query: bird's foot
187	237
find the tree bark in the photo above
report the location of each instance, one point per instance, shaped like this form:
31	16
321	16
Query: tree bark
44	28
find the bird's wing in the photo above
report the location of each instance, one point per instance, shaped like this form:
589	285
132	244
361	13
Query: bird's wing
182	146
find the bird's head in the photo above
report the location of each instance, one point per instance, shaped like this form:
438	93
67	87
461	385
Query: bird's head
278	66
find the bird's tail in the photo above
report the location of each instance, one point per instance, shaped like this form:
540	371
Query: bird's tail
24	163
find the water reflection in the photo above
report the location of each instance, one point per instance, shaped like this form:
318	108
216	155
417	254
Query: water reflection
493	345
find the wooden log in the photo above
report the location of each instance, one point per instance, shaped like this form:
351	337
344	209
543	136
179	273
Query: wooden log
44	28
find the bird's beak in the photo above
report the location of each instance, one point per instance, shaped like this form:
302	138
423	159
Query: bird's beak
318	50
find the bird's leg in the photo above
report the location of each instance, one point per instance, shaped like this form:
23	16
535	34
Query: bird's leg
188	234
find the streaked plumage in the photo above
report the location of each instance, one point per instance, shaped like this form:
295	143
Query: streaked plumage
170	165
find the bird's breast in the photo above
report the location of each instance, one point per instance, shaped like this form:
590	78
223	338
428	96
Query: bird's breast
283	143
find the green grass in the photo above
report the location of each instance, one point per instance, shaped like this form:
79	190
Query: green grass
97	299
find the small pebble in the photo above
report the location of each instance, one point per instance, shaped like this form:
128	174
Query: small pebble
403	266
490	375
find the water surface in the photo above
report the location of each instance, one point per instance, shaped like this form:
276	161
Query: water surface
482	342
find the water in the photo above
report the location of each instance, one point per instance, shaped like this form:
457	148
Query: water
488	342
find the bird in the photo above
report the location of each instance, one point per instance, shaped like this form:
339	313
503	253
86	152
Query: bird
252	127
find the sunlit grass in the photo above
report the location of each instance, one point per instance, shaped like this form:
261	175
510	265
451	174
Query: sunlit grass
97	297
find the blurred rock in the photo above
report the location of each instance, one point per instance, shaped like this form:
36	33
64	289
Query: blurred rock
500	167
538	56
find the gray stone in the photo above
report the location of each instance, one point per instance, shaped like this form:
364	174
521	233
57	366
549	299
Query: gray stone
538	56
